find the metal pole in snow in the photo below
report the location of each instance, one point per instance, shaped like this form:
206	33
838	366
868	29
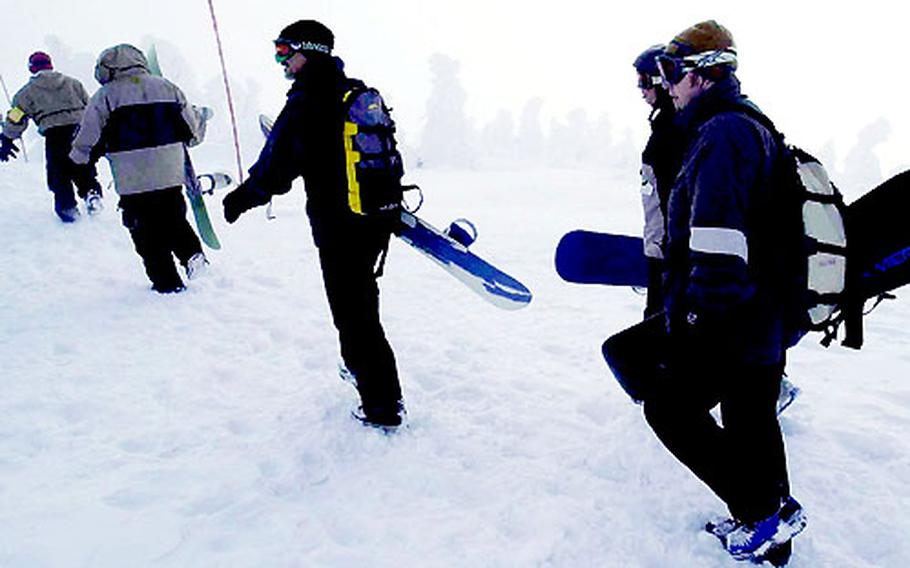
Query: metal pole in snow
227	90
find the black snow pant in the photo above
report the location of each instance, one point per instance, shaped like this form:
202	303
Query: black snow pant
349	274
62	173
743	461
158	226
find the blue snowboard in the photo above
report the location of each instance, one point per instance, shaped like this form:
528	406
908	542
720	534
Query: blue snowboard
489	282
878	247
586	257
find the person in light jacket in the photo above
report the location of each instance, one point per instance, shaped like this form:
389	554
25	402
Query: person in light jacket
55	103
142	124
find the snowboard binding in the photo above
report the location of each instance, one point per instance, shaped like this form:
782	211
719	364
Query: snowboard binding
462	231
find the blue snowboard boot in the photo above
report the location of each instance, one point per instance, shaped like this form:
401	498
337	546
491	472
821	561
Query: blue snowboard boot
764	540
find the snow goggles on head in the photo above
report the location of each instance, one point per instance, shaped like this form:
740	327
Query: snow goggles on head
647	81
673	69
285	49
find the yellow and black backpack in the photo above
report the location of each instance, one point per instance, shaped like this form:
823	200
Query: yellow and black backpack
373	164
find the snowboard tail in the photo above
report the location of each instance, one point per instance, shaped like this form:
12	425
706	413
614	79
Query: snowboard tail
878	239
197	204
486	280
586	257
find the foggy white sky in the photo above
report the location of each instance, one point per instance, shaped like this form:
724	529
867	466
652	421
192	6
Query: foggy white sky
821	72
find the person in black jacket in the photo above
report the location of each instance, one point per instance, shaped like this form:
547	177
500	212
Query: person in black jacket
660	163
306	141
723	306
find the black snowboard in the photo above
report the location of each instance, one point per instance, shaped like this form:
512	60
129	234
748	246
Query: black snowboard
878	239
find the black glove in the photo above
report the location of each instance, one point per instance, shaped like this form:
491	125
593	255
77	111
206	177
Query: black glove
242	199
7	148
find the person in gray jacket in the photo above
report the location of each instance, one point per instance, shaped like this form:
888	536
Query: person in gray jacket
660	162
141	123
55	103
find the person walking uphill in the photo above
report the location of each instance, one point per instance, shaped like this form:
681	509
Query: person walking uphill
723	301
55	102
141	123
660	162
308	141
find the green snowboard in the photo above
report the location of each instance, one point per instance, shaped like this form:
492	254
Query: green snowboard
191	182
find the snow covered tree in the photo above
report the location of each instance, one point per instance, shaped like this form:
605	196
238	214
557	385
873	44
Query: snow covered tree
862	169
447	134
530	143
497	140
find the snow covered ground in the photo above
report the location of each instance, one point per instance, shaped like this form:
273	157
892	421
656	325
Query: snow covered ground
210	428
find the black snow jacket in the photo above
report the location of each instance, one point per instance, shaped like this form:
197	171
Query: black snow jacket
307	141
720	283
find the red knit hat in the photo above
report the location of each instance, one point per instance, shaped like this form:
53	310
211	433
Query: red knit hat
39	61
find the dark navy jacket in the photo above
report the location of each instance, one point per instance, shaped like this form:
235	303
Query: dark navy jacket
720	282
306	141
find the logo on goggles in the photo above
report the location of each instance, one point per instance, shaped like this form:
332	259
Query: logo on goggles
283	46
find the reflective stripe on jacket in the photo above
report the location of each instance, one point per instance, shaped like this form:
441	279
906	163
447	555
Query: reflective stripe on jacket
721	212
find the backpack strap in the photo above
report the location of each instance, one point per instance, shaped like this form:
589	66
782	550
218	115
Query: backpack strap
851	309
852	316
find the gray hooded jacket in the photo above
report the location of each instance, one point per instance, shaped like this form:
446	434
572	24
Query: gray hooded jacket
139	121
50	99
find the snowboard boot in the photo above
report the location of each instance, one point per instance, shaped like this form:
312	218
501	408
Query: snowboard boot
93	203
778	555
68	215
387	419
168	285
196	266
764	539
169	289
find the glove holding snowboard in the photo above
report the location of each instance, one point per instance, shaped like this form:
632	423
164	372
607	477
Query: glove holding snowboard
242	199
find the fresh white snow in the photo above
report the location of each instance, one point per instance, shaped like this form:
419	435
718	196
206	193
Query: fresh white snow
210	428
